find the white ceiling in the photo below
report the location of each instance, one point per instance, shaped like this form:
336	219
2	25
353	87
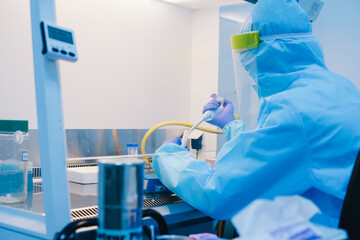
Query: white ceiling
195	4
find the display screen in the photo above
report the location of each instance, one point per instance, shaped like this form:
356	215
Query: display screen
60	35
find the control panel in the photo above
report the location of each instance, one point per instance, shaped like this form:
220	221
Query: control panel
58	42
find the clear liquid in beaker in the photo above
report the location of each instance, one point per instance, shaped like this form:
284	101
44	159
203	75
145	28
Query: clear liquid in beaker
12	183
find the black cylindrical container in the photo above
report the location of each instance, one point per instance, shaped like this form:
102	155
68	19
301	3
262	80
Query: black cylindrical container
120	199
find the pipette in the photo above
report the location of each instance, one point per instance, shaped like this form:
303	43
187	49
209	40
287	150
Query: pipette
207	116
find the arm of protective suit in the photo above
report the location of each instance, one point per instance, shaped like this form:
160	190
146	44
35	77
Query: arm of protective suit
269	161
234	128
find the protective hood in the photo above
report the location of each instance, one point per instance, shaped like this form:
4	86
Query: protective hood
285	54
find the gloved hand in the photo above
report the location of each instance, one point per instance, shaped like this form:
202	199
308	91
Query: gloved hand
222	118
204	236
175	140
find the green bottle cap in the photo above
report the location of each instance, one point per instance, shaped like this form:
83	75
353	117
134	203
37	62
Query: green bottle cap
14	125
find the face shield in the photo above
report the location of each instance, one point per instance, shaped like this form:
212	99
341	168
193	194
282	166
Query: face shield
246	75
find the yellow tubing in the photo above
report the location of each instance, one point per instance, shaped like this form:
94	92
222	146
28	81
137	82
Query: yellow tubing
179	123
151	130
116	141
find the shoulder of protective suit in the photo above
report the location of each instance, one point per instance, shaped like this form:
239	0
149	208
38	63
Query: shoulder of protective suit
278	109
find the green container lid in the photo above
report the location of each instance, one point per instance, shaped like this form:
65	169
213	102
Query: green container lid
14	125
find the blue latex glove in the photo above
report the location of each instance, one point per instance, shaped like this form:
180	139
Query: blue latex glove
204	236
175	140
222	118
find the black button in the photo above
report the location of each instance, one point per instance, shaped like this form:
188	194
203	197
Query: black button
71	54
55	50
63	52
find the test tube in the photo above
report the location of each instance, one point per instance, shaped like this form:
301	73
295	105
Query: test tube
132	148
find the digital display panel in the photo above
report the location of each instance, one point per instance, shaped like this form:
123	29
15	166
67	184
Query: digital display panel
60	35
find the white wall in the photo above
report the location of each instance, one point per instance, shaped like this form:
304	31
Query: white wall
205	58
338	30
17	87
205	64
134	67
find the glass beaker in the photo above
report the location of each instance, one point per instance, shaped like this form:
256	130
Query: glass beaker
14	144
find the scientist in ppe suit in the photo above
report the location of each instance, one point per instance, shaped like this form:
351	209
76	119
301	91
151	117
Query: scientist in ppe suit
307	135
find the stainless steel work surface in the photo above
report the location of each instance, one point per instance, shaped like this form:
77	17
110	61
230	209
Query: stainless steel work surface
180	217
81	202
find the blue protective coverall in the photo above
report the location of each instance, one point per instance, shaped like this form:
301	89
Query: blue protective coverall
307	135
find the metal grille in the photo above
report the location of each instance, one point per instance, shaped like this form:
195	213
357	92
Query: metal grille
161	201
84	213
92	212
83	165
37	187
36	172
